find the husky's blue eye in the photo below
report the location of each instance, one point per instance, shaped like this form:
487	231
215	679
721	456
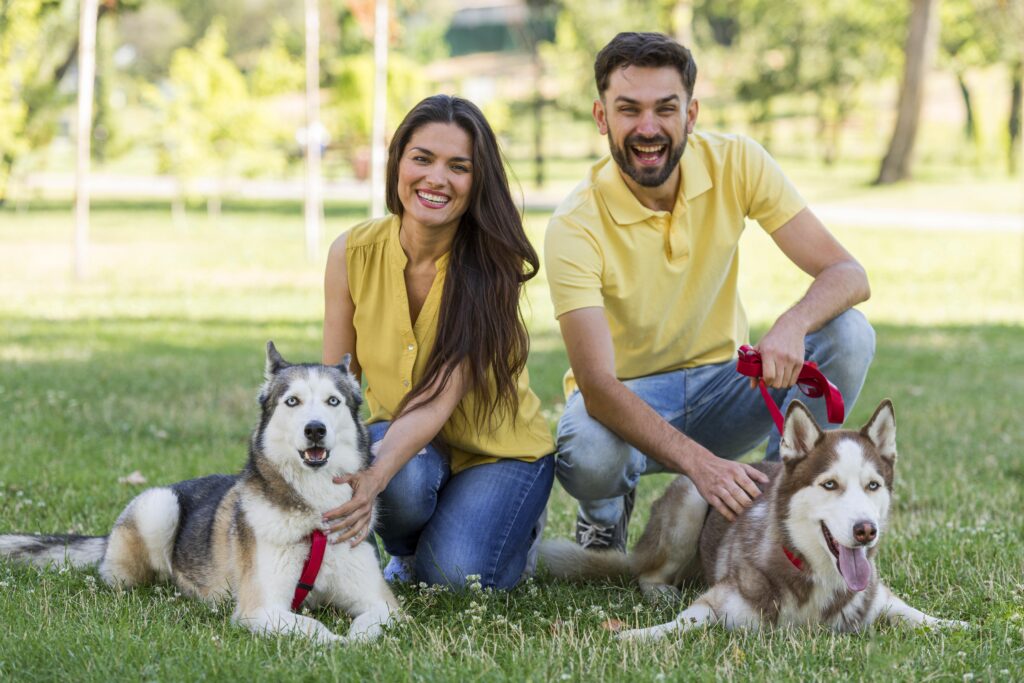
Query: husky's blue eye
333	401
874	486
830	485
291	401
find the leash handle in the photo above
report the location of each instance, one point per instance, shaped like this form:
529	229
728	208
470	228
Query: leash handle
811	381
317	546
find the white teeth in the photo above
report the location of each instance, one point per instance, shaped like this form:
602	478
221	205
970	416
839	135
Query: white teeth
435	198
648	149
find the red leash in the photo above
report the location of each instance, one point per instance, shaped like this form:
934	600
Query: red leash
811	382
317	545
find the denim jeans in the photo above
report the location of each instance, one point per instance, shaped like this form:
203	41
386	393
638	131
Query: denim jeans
481	521
713	405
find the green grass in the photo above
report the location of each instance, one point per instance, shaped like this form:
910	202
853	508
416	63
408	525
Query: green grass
153	362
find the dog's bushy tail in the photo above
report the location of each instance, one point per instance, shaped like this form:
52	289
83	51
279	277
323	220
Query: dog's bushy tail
564	559
44	550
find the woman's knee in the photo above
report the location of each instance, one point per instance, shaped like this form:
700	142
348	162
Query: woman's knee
410	498
466	567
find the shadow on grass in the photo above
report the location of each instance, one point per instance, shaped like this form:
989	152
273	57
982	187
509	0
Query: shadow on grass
953	387
961	369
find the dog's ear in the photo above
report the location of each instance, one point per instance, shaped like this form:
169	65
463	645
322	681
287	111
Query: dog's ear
275	363
881	430
356	391
800	434
346	362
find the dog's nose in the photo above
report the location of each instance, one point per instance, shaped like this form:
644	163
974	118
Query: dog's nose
315	430
864	532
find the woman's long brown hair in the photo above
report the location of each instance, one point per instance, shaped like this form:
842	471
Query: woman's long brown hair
480	324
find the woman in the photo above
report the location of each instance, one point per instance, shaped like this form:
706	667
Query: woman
427	302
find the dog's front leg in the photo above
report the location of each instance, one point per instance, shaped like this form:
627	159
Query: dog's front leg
285	622
720	605
895	611
265	596
358	588
697	614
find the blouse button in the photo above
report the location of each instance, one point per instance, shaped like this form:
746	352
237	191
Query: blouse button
411	347
405	383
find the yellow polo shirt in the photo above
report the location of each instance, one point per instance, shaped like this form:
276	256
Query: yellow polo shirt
393	352
667	281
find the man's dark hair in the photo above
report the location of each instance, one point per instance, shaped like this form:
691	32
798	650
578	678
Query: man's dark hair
644	49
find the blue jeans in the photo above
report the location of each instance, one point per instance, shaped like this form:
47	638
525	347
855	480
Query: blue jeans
481	521
713	405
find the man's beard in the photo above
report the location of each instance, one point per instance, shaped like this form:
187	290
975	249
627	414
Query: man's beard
647	176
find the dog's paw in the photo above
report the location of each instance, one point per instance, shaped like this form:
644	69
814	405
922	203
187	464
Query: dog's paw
641	635
952	624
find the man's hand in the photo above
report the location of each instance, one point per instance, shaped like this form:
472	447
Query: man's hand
782	353
353	519
728	486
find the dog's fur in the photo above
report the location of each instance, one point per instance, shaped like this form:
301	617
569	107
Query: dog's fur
247	535
838	480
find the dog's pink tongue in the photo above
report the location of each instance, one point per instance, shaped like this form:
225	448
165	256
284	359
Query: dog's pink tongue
854	566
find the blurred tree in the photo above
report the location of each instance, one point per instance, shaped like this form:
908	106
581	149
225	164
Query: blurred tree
38	44
152	34
248	25
277	70
922	41
581	30
212	125
969	38
1011	20
349	112
38	47
828	49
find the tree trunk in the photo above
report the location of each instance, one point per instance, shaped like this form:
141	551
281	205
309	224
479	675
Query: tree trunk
6	167
1013	124
538	121
88	17
970	129
922	41
314	204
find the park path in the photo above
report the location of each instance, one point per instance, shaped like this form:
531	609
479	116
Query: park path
112	186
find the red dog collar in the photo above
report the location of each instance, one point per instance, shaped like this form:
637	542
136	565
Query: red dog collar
317	545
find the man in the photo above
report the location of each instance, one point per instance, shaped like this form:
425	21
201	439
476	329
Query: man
642	262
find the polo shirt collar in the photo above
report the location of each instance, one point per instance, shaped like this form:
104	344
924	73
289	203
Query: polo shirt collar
623	205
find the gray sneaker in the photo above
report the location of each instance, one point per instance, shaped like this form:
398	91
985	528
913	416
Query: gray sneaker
597	537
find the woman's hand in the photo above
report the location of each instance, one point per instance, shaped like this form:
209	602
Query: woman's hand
353	519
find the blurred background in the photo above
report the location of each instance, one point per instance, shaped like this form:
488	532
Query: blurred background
198	102
204	216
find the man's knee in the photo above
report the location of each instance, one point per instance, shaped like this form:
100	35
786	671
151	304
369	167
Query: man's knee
592	460
851	337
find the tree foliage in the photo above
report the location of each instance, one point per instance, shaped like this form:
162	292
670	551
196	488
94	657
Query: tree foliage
37	44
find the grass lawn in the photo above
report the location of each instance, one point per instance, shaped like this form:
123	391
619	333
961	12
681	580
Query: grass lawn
153	362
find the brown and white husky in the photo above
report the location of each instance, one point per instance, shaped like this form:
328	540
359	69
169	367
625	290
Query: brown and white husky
802	554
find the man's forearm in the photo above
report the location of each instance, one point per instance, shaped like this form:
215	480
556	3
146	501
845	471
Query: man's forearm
612	404
835	289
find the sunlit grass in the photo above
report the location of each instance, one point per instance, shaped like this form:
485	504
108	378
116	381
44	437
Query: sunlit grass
152	364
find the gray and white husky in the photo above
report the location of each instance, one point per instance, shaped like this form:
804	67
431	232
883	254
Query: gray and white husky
247	535
802	554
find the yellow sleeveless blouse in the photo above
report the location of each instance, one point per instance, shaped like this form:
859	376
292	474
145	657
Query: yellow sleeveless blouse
393	352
